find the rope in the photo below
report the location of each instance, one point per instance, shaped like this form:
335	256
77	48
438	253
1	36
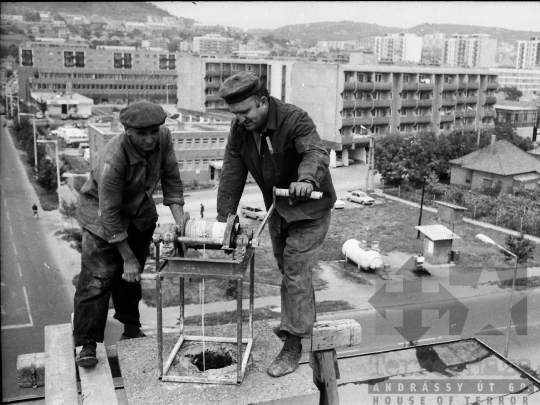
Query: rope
201	295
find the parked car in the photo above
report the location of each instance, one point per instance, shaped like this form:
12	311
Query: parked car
252	212
39	115
339	205
360	197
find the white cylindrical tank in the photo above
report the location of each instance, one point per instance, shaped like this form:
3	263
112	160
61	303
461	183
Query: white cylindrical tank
365	259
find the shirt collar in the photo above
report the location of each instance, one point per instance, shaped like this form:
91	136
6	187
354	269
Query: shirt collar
134	155
271	122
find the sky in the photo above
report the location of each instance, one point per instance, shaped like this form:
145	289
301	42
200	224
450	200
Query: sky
513	15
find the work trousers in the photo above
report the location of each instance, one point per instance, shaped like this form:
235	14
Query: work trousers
102	267
296	248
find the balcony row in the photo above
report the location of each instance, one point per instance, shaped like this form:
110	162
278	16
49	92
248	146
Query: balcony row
355	121
365	104
416	103
369	86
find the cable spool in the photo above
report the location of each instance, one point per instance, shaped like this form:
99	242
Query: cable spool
200	228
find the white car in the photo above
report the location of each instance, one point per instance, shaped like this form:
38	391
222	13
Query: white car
253	212
360	197
339	205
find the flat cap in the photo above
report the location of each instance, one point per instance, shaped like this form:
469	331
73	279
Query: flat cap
142	114
239	86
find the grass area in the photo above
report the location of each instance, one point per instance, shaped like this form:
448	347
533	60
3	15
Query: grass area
260	314
392	224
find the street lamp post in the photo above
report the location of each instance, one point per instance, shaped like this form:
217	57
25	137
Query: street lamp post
57	177
487	239
35	139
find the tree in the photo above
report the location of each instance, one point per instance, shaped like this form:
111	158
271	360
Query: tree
69	210
47	175
42	105
512	93
521	247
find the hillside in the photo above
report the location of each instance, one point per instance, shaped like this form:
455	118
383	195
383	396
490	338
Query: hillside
309	34
128	11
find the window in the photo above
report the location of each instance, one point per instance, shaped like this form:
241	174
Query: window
214	143
181	165
189	145
205	143
360	77
167	62
122	60
204	164
74	59
378	78
487	183
197	144
406	79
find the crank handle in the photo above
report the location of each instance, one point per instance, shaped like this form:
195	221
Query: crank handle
283	192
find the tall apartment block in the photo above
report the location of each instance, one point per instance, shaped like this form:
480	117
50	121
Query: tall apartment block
200	79
398	48
528	54
477	51
212	43
350	102
117	75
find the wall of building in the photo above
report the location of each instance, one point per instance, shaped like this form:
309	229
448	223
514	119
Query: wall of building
190	83
316	89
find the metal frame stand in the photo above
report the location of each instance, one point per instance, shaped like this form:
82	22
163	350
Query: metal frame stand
205	269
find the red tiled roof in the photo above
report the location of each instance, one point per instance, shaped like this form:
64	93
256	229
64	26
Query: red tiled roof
501	158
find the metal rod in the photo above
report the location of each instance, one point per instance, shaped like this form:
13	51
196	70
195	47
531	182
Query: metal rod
251	292
510	309
181	306
239	331
159	305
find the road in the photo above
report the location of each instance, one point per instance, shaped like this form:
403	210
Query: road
33	290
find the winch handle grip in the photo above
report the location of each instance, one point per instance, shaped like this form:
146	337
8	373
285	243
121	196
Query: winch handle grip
283	192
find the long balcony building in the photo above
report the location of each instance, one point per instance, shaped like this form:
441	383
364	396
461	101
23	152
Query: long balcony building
112	75
349	103
476	51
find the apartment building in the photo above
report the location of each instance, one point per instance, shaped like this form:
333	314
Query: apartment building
110	75
398	48
199	147
350	103
528	54
477	51
525	80
199	79
212	43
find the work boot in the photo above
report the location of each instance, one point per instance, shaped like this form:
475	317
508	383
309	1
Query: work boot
138	335
287	360
87	356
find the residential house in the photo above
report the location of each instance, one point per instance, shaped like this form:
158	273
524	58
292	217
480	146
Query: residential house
498	163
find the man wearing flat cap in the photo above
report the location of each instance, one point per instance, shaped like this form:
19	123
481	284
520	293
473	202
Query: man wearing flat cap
118	216
279	145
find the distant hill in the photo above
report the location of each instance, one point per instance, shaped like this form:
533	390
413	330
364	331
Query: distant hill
350	30
127	11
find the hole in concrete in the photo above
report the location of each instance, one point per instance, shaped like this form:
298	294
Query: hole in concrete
212	360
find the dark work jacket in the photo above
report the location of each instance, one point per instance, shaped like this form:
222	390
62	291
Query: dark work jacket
297	154
119	190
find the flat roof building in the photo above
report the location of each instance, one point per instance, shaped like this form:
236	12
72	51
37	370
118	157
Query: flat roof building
528	54
108	76
398	48
477	51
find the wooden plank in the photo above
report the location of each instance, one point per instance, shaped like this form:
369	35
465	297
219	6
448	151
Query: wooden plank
325	375
61	377
329	335
97	387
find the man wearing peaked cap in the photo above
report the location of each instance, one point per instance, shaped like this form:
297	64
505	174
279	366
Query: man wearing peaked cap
118	216
279	145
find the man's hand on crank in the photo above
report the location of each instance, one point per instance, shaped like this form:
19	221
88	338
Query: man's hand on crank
300	191
132	271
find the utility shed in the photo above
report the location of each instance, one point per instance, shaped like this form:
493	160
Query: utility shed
437	243
450	213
